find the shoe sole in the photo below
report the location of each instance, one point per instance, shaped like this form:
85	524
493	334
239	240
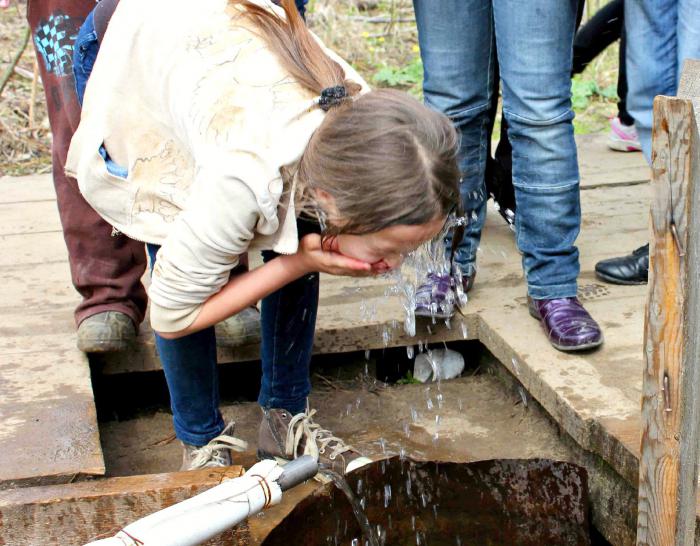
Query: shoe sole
566	348
441	316
623	146
614	280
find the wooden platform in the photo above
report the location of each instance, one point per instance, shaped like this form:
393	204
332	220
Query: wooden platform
47	421
48	425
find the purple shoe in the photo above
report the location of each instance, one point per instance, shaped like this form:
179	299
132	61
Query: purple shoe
566	323
435	298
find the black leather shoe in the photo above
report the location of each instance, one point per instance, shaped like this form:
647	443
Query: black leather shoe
630	269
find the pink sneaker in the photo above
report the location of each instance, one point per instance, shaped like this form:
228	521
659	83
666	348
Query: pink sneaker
623	138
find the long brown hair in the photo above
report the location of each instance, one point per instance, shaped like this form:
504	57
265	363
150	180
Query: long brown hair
384	157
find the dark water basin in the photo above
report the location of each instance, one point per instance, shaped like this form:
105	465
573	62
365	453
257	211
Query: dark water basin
486	503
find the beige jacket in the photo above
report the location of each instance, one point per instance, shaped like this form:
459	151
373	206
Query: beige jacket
195	105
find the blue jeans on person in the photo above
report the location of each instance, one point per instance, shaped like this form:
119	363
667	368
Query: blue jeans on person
534	43
288	321
661	34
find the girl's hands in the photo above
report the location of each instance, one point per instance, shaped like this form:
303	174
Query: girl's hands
312	256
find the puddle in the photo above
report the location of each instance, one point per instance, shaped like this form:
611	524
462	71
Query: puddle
487	503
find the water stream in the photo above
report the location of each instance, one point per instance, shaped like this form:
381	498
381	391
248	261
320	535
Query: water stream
357	508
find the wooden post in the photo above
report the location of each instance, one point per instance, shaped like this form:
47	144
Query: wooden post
668	468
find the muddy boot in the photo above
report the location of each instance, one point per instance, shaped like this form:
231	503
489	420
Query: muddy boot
240	329
106	332
286	437
216	453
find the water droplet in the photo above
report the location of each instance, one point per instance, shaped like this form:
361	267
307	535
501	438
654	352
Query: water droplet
516	367
387	495
409	352
523	396
367	354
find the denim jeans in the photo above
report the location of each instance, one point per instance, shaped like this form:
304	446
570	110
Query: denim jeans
288	321
661	34
534	42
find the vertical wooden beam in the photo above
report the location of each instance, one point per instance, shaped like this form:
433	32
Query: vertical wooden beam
671	392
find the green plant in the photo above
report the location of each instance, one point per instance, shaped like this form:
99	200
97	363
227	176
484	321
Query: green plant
405	76
582	91
408	380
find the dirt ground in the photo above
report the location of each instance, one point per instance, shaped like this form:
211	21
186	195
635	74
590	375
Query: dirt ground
470	418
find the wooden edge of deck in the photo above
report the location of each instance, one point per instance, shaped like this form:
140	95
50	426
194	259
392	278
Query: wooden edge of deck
80	512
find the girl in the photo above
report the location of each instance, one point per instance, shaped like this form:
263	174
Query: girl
205	133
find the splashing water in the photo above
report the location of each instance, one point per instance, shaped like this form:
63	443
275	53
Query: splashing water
429	258
357	507
409	352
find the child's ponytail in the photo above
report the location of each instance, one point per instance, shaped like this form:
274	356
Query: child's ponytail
297	49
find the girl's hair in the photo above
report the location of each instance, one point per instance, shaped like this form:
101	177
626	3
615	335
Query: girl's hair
384	157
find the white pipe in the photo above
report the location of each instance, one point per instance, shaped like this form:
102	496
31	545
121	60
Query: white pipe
203	516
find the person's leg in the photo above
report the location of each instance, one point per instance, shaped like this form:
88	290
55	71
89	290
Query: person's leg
190	370
660	36
105	270
456	46
287	429
288	322
652	60
688	32
622	113
597	34
534	43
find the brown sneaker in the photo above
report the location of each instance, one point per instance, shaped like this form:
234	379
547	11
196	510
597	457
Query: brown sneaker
241	329
285	437
106	332
216	453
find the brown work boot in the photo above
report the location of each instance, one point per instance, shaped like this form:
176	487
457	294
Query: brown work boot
106	332
286	437
216	453
241	329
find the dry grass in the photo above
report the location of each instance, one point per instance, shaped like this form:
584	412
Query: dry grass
378	37
25	139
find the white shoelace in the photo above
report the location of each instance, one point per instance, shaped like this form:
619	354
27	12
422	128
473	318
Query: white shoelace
213	452
317	438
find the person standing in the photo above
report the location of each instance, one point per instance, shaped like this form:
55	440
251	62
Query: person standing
458	41
661	35
106	266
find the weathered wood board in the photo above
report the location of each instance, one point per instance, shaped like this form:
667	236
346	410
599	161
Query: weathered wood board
80	512
48	424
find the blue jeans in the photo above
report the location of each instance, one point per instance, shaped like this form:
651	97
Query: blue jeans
288	321
534	42
661	34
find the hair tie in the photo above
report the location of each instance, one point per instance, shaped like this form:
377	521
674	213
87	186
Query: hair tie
332	96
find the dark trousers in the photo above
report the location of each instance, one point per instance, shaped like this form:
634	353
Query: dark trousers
105	270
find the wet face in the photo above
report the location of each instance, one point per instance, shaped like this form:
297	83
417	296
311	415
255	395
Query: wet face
385	249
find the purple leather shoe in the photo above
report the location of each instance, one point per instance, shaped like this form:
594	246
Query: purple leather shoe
566	323
434	298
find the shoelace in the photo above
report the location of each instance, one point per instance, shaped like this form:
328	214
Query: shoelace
212	452
317	438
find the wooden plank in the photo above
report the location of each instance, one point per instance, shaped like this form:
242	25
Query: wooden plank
670	405
17	218
48	423
17	251
80	512
601	167
26	189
